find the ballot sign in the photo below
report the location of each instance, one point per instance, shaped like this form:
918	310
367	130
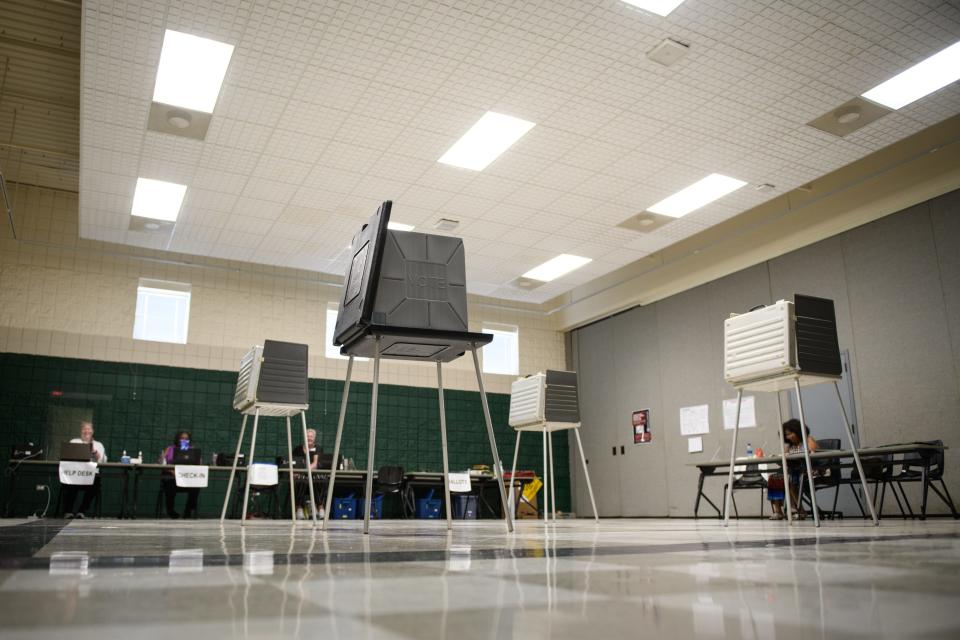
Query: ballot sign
460	482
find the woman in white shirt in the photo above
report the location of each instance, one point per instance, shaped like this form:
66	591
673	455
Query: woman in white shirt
99	455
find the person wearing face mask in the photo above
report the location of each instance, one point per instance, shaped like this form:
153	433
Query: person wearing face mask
180	443
70	492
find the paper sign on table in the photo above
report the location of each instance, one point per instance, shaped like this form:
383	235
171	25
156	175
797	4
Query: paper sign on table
77	473
191	476
748	413
263	475
695	420
695	444
460	482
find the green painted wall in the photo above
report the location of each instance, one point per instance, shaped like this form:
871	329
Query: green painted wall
139	407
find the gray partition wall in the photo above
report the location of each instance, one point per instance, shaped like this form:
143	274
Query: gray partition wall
896	286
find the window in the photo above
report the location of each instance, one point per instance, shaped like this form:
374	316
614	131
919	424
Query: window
503	354
331	351
163	311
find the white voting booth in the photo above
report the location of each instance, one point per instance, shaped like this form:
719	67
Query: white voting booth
547	401
272	382
786	345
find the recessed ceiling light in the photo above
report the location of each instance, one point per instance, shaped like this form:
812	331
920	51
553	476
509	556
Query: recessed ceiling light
399	226
191	71
556	267
921	79
659	7
157	199
493	134
697	195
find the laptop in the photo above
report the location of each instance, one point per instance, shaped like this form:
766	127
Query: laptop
190	456
76	451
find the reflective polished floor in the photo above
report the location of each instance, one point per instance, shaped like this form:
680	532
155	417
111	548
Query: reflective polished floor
574	579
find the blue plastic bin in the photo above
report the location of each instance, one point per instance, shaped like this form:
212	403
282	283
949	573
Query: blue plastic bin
428	508
376	507
345	508
465	507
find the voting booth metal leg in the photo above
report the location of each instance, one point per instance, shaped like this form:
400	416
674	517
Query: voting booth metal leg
443	442
233	469
368	495
806	459
553	475
313	504
293	499
327	514
586	474
546	481
246	490
783	461
513	471
498	468
856	457
733	457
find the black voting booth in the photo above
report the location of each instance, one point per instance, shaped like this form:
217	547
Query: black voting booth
405	298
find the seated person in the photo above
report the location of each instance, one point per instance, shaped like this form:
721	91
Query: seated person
180	443
793	441
89	491
303	492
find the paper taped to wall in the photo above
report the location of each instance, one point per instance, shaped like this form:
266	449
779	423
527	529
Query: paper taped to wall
695	444
695	420
748	413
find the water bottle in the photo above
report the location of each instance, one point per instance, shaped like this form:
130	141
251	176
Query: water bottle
139	457
749	450
124	459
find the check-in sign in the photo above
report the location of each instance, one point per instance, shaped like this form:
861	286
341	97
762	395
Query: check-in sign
77	473
191	476
460	483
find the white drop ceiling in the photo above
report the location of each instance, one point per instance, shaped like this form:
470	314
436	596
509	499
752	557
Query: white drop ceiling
329	107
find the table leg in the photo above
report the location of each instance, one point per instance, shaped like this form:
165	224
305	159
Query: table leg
327	513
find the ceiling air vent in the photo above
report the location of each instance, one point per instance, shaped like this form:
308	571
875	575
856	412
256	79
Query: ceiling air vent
849	117
526	284
646	222
179	122
446	224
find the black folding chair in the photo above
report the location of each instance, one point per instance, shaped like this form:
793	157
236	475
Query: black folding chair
926	467
750	479
390	479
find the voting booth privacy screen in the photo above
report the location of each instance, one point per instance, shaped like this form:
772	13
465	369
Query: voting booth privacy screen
782	338
410	288
274	374
549	397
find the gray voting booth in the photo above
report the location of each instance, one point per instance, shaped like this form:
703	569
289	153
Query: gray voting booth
272	381
405	298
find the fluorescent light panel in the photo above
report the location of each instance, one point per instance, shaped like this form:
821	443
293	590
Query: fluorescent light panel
659	7
399	226
493	134
556	267
157	199
191	71
920	80
699	194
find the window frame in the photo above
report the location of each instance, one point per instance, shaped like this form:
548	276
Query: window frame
495	329
147	289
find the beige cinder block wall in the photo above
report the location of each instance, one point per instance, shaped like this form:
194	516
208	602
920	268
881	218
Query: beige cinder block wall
64	296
